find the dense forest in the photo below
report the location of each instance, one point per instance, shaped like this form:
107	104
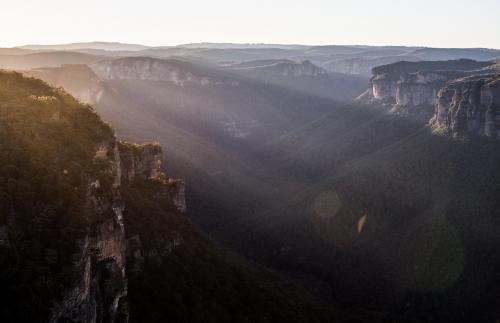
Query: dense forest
51	147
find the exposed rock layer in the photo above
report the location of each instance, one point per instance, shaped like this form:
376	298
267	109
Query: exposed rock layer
417	83
140	161
150	69
99	295
463	99
470	106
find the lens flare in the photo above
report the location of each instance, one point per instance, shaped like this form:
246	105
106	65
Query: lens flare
327	204
361	223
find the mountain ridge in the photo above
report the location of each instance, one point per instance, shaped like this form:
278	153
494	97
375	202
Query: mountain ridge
111	231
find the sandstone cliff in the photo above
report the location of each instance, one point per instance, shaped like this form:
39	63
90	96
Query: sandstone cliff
416	83
410	88
63	250
140	161
173	71
143	162
99	295
470	105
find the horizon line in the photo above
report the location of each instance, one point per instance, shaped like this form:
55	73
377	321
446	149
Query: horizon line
237	43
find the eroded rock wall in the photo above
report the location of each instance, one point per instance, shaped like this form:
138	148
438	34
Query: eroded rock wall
470	106
100	288
144	162
140	161
159	70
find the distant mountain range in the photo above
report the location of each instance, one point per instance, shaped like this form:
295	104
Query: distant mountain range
108	46
358	60
384	204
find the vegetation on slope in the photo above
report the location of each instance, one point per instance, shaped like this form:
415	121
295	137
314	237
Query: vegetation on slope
47	144
403	220
186	278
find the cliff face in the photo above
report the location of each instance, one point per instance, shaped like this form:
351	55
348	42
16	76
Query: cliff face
417	83
63	236
460	102
143	162
150	69
414	89
409	89
140	161
470	106
99	294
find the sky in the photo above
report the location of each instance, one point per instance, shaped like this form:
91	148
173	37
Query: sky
436	23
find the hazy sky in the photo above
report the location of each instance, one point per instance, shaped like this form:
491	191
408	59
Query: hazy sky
440	23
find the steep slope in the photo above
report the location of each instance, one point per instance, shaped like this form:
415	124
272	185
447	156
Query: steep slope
388	215
207	119
91	230
396	215
63	239
410	88
405	221
470	106
417	83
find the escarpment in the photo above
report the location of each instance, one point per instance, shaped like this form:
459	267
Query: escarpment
458	96
173	71
470	105
143	162
63	238
413	84
140	161
100	293
412	89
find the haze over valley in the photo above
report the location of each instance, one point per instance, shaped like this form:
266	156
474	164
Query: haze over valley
268	181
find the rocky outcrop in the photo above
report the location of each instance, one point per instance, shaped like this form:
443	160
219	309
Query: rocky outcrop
462	101
100	290
173	71
174	192
470	105
417	83
140	161
72	204
411	88
143	162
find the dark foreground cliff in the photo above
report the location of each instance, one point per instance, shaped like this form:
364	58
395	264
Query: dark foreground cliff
91	229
